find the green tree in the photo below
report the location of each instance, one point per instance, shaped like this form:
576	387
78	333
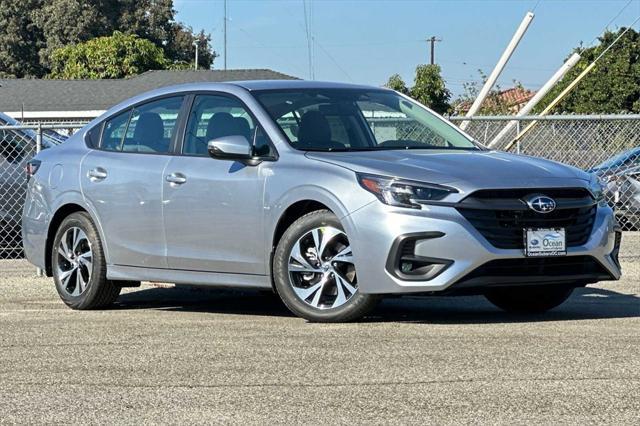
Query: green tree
53	19
117	56
613	85
430	89
150	19
20	39
181	50
396	83
31	30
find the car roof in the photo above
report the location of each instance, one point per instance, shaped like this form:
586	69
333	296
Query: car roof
8	120
299	84
231	86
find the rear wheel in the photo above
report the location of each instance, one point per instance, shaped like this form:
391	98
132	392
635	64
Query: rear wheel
315	272
79	267
529	299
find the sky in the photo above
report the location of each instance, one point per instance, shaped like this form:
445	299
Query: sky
366	41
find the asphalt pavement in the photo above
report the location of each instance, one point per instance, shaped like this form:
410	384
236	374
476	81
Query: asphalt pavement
184	355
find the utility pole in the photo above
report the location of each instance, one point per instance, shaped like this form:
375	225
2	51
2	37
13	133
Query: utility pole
195	43
225	35
432	41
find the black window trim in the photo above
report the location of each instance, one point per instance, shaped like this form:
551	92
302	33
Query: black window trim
130	108
100	125
183	130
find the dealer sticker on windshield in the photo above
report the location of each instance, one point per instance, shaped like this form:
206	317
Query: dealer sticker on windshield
545	242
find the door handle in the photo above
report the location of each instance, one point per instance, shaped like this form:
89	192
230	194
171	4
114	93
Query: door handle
176	178
97	174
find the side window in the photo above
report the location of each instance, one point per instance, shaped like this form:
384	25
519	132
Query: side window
114	130
214	117
93	136
152	126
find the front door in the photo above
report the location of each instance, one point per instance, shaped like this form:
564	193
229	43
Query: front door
213	209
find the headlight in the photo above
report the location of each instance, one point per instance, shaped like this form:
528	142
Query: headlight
403	193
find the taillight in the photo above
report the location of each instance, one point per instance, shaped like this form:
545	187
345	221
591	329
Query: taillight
32	167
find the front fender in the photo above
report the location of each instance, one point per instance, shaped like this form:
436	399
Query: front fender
307	193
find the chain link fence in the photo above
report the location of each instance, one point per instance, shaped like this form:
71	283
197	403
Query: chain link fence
18	145
606	145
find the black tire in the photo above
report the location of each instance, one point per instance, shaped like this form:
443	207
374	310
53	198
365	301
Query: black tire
99	291
529	299
356	307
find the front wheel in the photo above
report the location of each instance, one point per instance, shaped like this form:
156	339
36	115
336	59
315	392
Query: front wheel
315	273
529	299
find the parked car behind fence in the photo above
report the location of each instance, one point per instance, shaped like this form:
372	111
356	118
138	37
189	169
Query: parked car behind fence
17	146
621	175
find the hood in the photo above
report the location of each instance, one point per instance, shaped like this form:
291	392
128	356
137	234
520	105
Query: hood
460	169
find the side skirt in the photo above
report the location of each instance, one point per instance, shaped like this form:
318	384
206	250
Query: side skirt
214	279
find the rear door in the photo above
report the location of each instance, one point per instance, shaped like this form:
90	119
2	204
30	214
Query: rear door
123	180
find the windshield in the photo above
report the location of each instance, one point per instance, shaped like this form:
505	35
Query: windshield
358	120
624	157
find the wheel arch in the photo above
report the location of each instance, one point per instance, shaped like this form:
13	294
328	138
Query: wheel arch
288	216
292	213
61	213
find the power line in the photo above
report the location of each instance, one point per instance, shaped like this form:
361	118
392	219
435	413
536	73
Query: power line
263	46
225	34
350	44
307	18
334	61
611	21
616	40
536	6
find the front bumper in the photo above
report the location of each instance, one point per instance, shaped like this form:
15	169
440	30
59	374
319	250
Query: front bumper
375	228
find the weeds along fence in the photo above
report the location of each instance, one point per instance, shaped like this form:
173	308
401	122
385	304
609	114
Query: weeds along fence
608	145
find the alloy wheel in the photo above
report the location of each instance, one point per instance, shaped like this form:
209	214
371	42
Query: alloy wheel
321	268
74	261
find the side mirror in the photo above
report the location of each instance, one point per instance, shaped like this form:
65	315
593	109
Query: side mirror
235	147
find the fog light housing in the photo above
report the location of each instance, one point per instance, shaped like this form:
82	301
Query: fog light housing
616	248
404	264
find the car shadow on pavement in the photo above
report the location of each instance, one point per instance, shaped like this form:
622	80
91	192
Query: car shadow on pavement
585	303
202	299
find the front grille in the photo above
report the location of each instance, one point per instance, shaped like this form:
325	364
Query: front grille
536	269
502	215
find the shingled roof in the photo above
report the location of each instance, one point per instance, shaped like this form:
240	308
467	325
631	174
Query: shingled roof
81	95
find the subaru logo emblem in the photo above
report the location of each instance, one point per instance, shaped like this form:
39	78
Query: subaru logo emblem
541	204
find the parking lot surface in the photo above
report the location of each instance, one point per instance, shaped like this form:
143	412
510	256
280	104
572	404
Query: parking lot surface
183	355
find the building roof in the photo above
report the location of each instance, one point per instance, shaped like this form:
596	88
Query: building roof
82	95
516	95
513	98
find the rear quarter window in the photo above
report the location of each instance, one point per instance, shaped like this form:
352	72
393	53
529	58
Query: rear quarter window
92	138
